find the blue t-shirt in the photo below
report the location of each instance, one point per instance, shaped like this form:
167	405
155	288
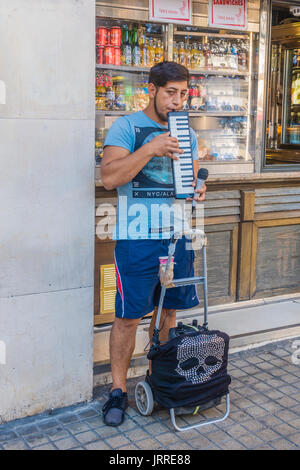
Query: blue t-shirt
146	207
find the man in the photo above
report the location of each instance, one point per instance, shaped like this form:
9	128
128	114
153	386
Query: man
137	157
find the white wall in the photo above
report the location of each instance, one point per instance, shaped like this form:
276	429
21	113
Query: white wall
46	204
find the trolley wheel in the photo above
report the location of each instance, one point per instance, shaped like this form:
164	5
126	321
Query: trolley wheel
144	398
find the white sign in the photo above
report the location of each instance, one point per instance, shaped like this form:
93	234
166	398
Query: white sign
228	14
171	11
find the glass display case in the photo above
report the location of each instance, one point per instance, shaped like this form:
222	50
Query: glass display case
220	86
283	112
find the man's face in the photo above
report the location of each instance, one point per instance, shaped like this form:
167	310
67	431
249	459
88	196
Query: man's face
168	98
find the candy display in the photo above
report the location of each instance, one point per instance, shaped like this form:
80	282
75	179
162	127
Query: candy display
121	92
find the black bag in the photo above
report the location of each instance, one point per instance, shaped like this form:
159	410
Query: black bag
190	369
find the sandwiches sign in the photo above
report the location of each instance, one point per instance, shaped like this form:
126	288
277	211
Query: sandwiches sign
228	14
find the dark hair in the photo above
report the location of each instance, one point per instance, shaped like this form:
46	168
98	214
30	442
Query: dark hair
164	72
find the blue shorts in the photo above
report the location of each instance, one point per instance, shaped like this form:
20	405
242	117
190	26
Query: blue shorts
137	274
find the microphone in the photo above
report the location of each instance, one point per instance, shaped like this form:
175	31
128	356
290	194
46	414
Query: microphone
201	178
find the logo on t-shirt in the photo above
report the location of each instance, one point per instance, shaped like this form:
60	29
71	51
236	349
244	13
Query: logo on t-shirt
155	180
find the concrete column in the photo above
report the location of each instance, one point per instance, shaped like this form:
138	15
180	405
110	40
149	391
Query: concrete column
46	204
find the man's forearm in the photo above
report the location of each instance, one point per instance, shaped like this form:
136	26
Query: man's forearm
122	170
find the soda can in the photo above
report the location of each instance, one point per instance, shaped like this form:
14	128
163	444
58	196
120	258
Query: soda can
109	55
117	56
115	36
100	55
108	39
101	36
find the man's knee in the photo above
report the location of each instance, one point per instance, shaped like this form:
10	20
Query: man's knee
126	323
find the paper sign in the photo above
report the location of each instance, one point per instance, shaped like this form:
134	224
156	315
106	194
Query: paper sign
228	14
171	11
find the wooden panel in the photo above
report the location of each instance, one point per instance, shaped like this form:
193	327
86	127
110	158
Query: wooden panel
244	275
221	264
247	209
278	259
277	199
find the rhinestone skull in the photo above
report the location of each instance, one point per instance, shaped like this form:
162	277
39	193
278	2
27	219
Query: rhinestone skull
199	357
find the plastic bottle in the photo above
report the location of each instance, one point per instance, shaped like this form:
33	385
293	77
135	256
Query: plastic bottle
151	52
193	94
110	95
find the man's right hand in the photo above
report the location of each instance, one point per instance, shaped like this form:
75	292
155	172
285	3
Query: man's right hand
163	145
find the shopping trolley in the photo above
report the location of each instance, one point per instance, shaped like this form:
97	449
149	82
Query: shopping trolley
190	369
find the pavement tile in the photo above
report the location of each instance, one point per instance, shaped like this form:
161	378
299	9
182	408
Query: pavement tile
269	421
64	444
56	432
36	439
256	411
46	424
250	441
70	418
136	435
283	444
97	445
95	422
15	444
218	436
267	435
284	429
87	436
200	442
232	445
117	441
180	445
45	447
149	444
7	435
167	439
236	430
155	428
26	429
295	438
76	427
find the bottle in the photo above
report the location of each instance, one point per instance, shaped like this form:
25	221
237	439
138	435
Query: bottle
194	56
136	51
109	95
188	55
127	53
207	54
175	52
298	58
145	54
119	90
200	57
234	57
159	52
193	94
182	54
101	95
151	52
201	94
297	89
124	34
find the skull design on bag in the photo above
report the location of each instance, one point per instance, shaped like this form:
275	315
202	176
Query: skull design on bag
199	357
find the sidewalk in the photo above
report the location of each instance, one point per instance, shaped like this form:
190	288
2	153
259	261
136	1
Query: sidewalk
265	414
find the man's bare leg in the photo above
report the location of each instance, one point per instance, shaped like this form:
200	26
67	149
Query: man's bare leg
122	344
167	321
